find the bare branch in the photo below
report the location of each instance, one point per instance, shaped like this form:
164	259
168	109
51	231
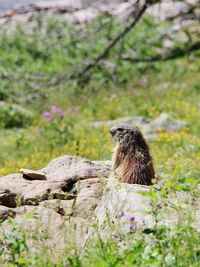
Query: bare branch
106	51
164	57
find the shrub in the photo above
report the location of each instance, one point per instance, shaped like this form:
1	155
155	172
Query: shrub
14	116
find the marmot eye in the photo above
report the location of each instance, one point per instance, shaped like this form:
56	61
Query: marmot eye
120	129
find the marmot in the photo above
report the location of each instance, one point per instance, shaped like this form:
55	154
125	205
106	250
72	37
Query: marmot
132	162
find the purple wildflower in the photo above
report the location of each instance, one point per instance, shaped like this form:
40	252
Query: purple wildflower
123	214
46	113
132	219
49	119
115	236
56	109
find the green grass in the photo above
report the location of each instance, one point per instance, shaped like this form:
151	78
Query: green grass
27	62
175	94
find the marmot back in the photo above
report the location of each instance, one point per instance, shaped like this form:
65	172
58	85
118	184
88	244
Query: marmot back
132	162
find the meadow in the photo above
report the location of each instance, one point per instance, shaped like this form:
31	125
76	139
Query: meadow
40	120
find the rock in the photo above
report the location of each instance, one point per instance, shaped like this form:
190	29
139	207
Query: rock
83	11
126	207
148	127
89	195
59	5
66	199
58	222
81	16
14	191
105	163
6	213
110	123
76	195
168	9
61	174
47	224
119	203
166	121
62	207
71	166
33	175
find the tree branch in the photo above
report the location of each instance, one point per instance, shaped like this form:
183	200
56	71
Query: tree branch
164	57
106	51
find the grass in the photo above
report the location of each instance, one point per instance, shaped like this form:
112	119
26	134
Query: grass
73	135
140	89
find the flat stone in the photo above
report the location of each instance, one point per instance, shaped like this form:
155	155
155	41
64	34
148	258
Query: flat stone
33	175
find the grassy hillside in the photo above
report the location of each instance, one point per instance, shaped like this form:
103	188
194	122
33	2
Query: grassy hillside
40	121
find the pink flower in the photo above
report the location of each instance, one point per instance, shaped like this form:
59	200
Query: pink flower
115	236
49	119
132	219
56	109
123	214
46	113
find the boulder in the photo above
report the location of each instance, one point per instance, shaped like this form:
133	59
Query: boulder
165	120
61	174
76	195
124	208
148	126
56	222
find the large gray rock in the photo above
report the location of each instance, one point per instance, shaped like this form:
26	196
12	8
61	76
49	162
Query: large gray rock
124	208
61	174
57	209
149	127
57	223
76	195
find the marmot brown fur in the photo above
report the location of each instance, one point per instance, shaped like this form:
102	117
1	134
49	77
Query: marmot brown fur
132	162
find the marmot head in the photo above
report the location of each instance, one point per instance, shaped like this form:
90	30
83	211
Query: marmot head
127	136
